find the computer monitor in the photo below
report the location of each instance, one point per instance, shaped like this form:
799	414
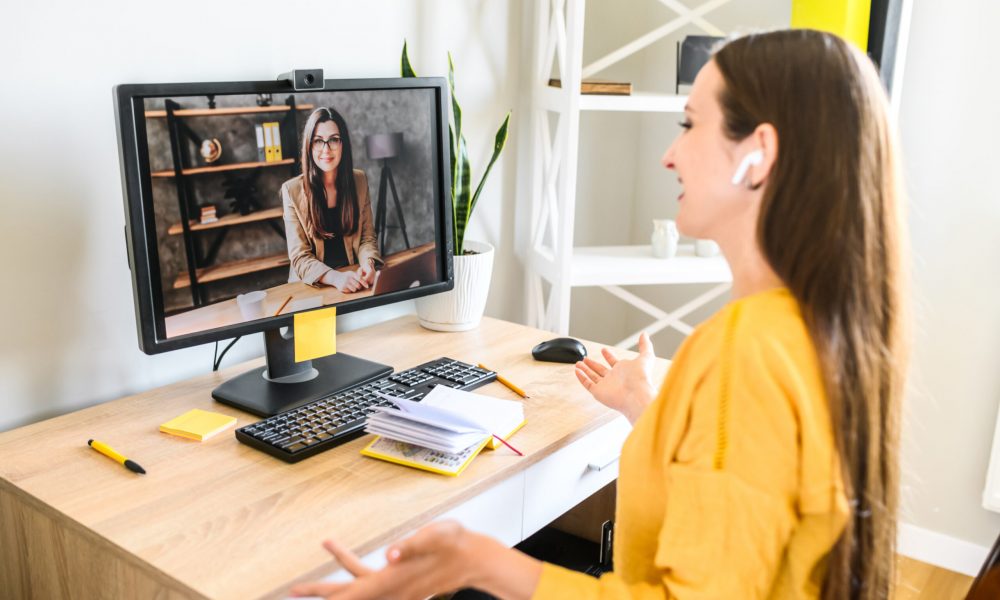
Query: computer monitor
249	202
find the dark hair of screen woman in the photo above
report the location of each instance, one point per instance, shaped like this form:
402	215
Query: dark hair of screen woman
337	152
327	211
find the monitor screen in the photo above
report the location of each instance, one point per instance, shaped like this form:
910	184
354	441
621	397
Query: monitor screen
248	202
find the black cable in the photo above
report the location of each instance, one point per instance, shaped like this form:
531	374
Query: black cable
217	361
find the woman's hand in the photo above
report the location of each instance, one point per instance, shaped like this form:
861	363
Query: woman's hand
345	281
366	272
624	385
438	558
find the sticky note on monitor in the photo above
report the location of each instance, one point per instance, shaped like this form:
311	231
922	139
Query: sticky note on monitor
315	333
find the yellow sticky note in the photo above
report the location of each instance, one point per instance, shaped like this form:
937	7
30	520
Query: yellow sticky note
315	333
198	424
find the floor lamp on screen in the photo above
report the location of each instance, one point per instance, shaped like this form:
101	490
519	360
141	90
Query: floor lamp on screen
385	147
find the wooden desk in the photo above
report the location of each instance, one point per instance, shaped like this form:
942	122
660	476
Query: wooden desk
221	520
227	312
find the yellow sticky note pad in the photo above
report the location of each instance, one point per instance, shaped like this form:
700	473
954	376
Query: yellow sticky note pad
315	333
197	424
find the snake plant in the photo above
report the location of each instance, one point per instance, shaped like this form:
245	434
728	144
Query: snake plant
463	200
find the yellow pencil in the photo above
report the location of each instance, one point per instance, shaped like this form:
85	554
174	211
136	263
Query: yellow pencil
506	382
283	305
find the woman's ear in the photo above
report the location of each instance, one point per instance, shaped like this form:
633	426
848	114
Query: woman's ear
765	138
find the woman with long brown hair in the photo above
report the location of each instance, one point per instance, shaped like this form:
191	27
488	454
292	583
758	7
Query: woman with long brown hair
766	466
328	216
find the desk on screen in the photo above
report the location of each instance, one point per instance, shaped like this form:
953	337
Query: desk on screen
304	296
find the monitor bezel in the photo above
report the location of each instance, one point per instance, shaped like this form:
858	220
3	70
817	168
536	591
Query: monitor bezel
139	217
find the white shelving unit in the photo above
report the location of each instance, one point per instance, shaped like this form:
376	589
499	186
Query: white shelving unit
552	260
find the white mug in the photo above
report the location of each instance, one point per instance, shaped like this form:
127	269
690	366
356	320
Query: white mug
664	238
705	248
251	305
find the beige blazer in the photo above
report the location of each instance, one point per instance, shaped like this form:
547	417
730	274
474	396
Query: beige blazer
306	252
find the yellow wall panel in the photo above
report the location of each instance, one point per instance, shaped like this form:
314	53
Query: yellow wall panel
846	18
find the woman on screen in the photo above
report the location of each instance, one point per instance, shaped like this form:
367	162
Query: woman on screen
328	216
766	465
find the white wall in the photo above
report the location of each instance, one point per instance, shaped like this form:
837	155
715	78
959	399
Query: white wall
68	338
950	127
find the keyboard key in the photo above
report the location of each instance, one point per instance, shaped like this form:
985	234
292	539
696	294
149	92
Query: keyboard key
347	427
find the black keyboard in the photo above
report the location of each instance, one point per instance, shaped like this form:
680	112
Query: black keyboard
328	422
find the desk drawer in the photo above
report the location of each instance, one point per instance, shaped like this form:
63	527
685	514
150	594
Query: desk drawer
567	477
496	512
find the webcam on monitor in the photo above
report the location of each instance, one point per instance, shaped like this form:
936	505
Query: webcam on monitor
303	79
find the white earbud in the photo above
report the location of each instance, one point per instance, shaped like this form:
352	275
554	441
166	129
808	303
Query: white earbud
752	159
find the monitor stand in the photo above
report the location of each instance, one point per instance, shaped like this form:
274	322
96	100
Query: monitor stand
284	384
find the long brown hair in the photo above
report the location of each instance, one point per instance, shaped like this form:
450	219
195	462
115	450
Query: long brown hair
831	226
312	179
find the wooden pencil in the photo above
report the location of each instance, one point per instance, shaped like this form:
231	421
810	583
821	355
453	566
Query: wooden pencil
283	305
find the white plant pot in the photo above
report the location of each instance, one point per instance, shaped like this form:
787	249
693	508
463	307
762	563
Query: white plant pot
461	308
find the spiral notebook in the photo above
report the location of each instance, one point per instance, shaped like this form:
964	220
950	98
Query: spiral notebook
444	432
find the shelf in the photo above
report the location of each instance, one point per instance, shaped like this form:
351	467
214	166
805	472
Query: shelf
229	220
601	87
233	269
221	168
555	99
637	102
636	265
231	110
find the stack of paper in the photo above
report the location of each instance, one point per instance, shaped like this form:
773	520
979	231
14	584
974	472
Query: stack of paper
444	432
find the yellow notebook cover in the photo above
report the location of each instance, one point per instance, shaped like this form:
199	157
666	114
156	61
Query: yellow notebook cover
494	443
418	457
197	424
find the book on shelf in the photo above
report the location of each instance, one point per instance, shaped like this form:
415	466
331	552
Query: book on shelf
259	131
442	433
272	141
600	87
276	137
268	143
208	214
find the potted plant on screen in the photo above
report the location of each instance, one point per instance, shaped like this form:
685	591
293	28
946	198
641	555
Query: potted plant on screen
461	308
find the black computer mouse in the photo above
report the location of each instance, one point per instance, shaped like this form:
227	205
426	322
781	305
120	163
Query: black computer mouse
563	350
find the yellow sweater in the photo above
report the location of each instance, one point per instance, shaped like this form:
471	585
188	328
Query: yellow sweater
729	484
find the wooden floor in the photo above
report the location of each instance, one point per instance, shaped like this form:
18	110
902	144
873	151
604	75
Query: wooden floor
920	581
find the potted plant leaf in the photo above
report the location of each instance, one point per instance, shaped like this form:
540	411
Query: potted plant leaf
461	308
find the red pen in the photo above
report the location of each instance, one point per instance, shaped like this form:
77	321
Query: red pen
504	442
